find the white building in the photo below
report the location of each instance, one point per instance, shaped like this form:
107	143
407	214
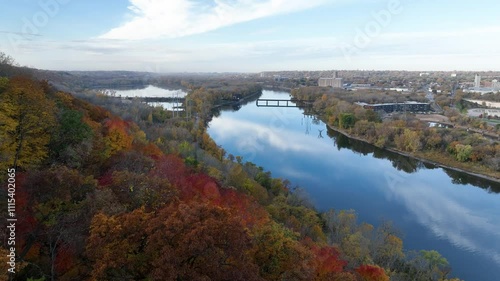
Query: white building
477	81
399	89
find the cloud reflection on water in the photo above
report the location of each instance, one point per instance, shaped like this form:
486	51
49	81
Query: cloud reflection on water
448	218
260	137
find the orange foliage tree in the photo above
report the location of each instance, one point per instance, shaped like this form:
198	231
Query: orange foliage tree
372	273
180	242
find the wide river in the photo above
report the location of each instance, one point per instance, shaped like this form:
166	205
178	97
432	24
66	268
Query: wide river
435	209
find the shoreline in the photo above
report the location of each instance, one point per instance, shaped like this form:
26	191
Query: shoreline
425	160
237	102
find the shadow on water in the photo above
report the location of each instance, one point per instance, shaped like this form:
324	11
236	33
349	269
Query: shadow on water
407	164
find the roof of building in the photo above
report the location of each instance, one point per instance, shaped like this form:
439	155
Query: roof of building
393	103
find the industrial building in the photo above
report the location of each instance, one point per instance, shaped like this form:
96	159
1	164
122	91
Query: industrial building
334	82
495	87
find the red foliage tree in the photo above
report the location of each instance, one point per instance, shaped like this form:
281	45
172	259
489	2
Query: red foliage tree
328	260
172	168
372	273
250	211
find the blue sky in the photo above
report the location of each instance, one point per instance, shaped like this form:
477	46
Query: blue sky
251	35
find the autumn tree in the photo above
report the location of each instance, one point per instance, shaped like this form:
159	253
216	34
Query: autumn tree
117	137
327	263
55	219
26	118
372	273
279	255
299	218
116	246
136	190
180	242
409	141
387	247
198	242
463	152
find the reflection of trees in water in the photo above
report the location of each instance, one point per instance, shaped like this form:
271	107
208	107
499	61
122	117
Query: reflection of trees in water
339	140
407	164
465	179
400	162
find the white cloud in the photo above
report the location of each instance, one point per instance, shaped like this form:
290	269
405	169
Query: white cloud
176	18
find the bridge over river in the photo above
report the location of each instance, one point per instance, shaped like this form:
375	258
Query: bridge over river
282	103
157	99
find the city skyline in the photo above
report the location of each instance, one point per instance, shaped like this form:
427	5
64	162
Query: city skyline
252	36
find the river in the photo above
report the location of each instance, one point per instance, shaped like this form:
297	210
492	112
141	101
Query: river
153	92
434	208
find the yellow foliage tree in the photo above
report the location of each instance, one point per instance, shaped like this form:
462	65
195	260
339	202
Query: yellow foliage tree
26	117
117	138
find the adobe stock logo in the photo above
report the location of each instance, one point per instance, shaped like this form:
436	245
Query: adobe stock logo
31	26
372	29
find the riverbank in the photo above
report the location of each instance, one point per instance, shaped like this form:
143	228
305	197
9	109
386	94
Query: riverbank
276	87
423	157
238	102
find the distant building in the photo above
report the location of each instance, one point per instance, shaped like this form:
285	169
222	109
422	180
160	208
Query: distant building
399	89
477	81
331	82
279	78
453	75
495	84
424	74
409	106
481	91
495	87
361	86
